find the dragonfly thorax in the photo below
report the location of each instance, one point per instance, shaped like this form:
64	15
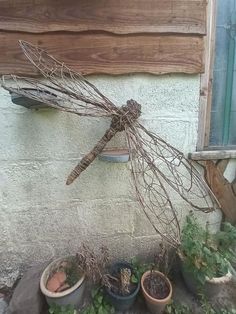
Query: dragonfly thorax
129	113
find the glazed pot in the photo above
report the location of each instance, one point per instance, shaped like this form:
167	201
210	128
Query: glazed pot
121	303
154	305
210	288
71	296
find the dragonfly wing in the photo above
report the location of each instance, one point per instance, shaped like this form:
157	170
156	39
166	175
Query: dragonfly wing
174	169
65	83
47	93
152	193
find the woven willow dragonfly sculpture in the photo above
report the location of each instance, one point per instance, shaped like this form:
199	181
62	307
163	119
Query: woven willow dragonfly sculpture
158	169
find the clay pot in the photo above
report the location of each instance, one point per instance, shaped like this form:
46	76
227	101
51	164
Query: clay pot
154	305
71	296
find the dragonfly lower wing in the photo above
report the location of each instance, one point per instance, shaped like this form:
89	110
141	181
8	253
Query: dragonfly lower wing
153	195
178	172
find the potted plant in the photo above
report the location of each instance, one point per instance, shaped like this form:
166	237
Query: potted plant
121	285
63	280
157	290
205	257
156	287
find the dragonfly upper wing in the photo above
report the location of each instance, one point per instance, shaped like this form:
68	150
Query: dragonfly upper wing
47	93
70	88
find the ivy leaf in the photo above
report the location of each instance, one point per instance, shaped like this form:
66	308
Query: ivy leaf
101	310
99	299
134	279
197	263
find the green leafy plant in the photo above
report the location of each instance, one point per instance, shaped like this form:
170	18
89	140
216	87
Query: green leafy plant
206	255
226	311
57	309
211	310
207	308
98	305
162	262
226	239
178	308
72	271
139	269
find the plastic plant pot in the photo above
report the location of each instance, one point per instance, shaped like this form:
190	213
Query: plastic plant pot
121	303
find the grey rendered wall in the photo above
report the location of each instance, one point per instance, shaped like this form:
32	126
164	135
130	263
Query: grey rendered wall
41	217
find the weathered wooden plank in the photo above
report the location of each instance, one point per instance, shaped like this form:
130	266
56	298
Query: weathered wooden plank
207	79
107	53
213	154
223	190
118	16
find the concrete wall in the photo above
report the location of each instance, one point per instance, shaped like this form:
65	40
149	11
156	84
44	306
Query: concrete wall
41	217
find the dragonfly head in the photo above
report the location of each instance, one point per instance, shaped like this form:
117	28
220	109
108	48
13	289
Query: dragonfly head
134	108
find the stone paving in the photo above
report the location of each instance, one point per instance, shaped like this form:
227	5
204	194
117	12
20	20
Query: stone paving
3	306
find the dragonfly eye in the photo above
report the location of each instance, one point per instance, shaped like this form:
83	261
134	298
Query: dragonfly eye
134	108
134	105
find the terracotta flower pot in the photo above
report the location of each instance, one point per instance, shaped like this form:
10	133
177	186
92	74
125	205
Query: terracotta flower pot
154	305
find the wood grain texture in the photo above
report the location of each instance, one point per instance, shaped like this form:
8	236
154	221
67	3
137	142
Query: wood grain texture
224	191
118	16
104	53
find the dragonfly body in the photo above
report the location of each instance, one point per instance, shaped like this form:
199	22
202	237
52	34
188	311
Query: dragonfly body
128	115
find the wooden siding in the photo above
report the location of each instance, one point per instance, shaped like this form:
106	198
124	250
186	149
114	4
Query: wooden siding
104	53
118	16
107	36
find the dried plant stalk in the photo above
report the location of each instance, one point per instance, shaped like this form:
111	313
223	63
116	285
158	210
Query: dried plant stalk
93	264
